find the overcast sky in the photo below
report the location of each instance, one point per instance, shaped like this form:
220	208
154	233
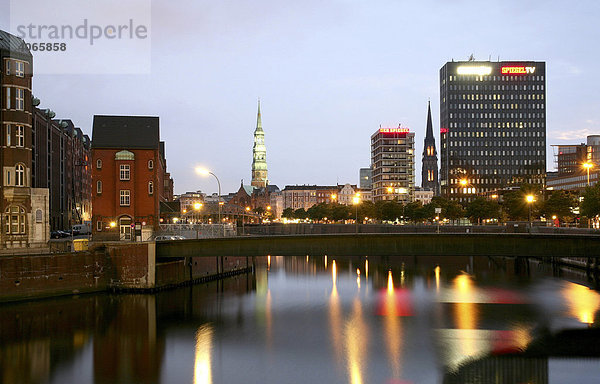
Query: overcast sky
328	73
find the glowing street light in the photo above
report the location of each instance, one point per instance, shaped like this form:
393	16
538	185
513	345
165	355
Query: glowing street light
206	172
529	199
587	167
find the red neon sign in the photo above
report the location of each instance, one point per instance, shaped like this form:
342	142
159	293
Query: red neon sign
517	70
443	130
394	130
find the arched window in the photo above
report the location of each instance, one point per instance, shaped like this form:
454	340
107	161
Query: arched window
99	164
150	164
150	188
20	175
14	220
99	187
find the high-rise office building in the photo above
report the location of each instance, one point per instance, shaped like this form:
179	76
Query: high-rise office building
493	126
393	164
366	178
429	171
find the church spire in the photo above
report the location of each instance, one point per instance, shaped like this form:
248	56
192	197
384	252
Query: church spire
429	171
429	134
259	155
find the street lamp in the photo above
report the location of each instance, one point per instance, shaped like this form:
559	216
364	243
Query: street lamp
197	207
206	172
530	199
587	166
356	201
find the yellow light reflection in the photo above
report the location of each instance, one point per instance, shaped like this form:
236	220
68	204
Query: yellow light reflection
202	363
269	262
334	272
390	283
583	302
367	269
393	329
437	278
335	324
356	336
307	258
466	315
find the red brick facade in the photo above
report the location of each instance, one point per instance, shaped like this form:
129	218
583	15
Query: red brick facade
144	185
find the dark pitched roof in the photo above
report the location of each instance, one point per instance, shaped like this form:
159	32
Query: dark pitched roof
15	46
134	132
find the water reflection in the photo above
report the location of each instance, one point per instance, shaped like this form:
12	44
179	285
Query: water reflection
582	302
384	321
202	363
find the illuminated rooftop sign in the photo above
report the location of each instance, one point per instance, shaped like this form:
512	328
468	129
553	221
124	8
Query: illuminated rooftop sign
480	70
394	130
517	70
443	130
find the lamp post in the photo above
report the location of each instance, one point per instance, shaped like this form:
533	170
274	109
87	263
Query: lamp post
206	172
530	199
356	201
587	166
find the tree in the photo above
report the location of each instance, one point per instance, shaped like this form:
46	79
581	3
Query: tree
481	208
366	209
453	210
288	213
300	213
340	212
559	204
590	206
388	210
414	211
516	206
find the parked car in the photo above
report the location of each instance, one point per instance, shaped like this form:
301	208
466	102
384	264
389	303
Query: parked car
59	234
81	229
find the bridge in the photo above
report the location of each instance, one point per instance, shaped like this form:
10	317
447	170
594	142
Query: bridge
388	244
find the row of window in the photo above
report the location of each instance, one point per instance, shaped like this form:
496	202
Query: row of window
15	66
99	166
99	189
496	163
534	87
19	135
496	96
477	115
496	78
497	106
498	124
461	144
19	98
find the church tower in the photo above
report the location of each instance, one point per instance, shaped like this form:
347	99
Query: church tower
429	173
259	155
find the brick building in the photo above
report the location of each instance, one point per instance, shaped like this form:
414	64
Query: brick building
24	219
128	173
61	155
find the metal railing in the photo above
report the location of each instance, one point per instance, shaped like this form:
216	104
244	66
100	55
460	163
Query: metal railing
197	231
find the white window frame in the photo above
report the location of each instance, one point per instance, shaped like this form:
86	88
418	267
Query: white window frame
19	99
150	164
99	226
7	67
20	136
124	172
99	187
99	164
124	197
19	68
8	105
150	187
19	175
8	135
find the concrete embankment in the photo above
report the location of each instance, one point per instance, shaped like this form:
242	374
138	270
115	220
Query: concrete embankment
114	266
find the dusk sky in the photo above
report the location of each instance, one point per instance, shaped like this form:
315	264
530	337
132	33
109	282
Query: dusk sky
328	73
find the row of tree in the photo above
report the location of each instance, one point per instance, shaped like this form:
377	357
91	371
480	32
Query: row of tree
514	206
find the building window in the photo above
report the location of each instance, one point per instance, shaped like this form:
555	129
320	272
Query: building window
39	216
20	135
99	187
124	198
14	219
124	172
150	188
8	178
99	226
20	99
20	69
98	164
7	67
8	135
150	164
19	175
8	98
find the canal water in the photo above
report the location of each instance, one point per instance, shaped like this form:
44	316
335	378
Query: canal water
387	320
